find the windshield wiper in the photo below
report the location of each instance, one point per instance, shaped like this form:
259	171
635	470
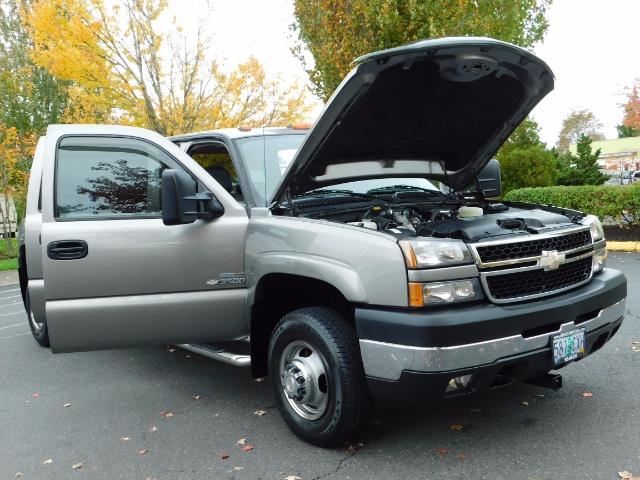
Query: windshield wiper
335	191
403	188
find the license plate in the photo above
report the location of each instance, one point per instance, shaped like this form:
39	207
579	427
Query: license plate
568	346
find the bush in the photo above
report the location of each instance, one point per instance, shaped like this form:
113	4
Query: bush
618	204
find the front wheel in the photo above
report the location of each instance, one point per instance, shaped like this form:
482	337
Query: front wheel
317	376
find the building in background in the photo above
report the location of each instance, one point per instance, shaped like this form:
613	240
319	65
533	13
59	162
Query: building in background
618	155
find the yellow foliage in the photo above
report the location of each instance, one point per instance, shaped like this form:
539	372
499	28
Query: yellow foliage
112	54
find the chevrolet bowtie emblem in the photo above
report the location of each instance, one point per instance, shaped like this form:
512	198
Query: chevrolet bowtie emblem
551	259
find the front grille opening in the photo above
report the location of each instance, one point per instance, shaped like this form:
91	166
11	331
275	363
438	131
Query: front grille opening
534	332
597	345
537	282
585	317
533	247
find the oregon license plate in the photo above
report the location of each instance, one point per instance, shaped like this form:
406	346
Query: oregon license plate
568	346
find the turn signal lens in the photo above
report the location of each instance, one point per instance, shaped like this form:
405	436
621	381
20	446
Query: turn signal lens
415	295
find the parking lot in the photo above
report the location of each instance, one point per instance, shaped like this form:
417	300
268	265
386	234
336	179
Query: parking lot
167	414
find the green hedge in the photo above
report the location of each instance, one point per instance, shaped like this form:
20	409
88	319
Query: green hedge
613	203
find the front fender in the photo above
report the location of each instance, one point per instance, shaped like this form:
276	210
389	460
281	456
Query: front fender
367	267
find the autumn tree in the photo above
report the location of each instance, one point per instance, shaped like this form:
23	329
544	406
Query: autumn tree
30	99
336	32
578	122
631	118
125	69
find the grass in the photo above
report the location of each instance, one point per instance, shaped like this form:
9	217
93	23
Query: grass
8	263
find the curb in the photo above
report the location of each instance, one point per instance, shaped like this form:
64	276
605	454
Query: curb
623	246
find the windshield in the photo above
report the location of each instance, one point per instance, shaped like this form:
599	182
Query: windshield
266	158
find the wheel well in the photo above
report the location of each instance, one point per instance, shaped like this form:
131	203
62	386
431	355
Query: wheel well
22	272
278	294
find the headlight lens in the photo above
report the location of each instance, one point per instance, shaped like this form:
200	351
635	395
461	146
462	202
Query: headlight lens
439	293
434	253
593	222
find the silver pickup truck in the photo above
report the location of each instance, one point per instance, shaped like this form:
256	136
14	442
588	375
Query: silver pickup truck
354	260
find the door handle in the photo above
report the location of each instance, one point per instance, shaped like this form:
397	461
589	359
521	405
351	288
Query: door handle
67	250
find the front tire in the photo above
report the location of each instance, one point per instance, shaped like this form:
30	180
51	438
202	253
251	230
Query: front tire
317	376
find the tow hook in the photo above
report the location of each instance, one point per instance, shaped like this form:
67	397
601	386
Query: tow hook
548	380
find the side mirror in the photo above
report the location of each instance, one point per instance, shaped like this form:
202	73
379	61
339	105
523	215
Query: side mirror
180	200
489	179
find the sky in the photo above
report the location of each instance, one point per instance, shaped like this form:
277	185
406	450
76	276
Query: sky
591	46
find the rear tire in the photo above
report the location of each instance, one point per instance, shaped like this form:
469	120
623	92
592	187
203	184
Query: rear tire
317	376
39	330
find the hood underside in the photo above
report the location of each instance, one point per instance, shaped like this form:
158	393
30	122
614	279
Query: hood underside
436	109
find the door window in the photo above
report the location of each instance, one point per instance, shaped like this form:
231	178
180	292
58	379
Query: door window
101	177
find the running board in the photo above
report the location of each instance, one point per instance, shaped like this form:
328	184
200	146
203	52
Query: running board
217	353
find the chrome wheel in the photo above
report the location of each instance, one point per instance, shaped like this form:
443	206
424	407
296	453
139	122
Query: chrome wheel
304	380
34	324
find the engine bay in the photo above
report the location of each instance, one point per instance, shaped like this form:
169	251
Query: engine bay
437	216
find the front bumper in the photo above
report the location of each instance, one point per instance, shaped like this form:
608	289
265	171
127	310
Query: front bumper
439	344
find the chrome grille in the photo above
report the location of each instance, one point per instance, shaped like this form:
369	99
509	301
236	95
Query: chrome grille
533	247
534	266
539	281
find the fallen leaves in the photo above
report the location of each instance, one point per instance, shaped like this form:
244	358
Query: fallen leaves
242	441
586	394
223	455
456	427
143	451
627	475
461	456
48	461
442	451
67	405
125	439
76	466
247	448
259	413
166	414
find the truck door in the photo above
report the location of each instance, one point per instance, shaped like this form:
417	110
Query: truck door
114	274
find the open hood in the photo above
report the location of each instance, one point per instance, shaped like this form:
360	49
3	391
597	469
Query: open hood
438	109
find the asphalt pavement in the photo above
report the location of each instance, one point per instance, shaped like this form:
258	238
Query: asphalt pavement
158	413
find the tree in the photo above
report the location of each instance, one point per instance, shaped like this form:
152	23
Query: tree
624	131
631	118
525	160
582	168
578	122
14	149
30	99
336	32
124	69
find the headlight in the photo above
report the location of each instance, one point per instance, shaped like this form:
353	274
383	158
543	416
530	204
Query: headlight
593	222
441	293
434	253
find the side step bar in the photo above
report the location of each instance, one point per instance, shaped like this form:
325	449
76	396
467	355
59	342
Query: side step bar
218	353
